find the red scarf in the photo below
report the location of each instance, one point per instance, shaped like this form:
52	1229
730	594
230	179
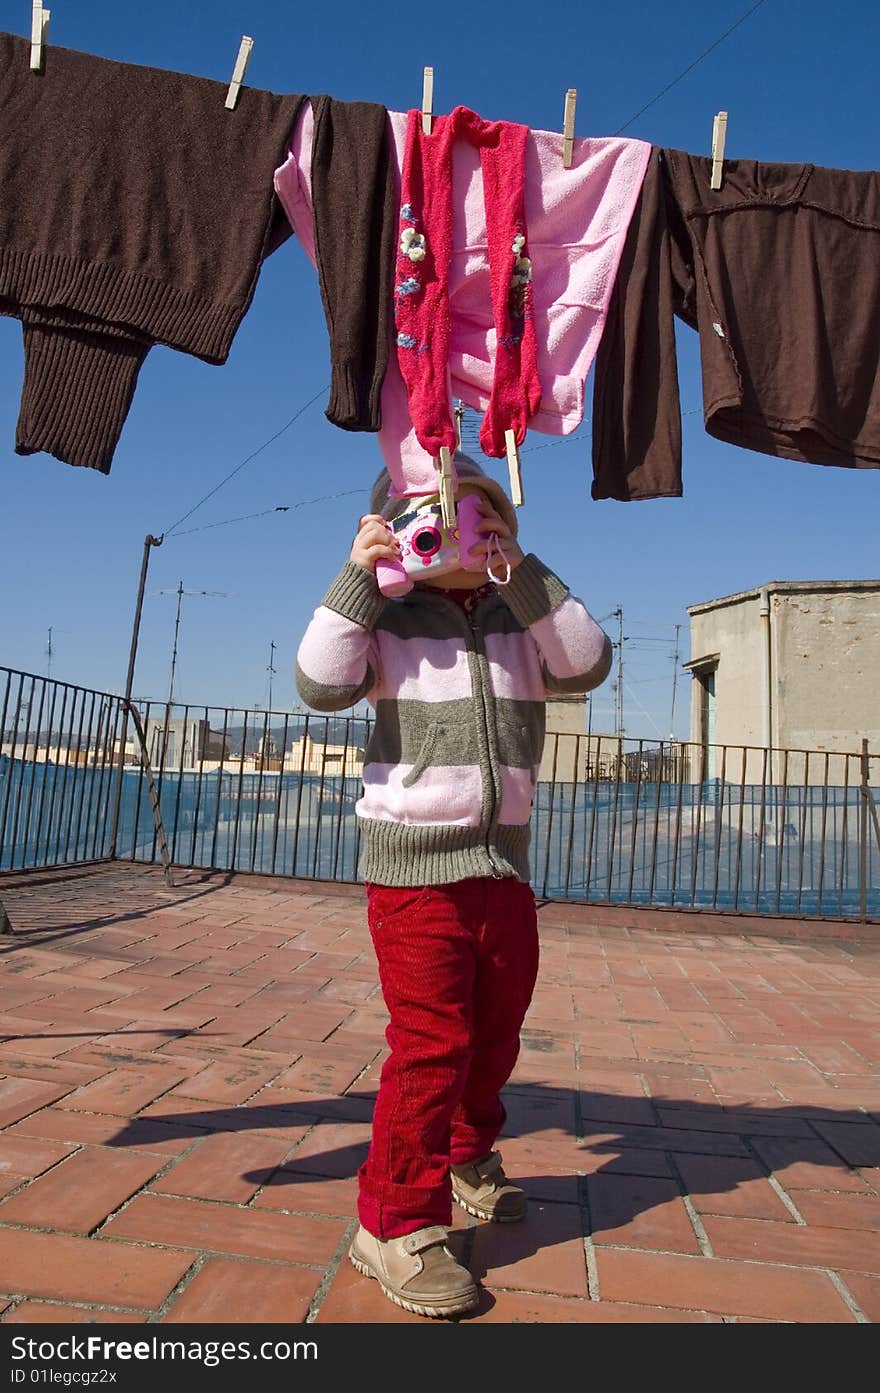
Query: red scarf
421	295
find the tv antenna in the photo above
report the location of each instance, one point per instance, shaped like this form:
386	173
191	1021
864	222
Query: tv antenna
271	669
674	681
180	592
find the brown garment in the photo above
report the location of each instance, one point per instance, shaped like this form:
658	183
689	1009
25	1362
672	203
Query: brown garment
354	203
136	210
636	413
779	270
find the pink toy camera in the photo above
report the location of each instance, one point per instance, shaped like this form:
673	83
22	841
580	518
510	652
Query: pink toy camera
430	549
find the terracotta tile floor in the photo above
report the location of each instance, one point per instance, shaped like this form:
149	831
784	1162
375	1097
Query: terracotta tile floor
187	1078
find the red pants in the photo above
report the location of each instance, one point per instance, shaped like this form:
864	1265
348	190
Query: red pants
457	965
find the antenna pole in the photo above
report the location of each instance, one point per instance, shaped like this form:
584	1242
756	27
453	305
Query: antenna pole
618	715
271	670
674	682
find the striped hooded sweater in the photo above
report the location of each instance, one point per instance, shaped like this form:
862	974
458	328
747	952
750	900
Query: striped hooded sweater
451	766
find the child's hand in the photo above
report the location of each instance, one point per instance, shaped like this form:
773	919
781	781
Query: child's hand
374	542
493	522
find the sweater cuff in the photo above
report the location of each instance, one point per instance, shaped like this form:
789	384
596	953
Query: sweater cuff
354	403
78	386
355	594
533	591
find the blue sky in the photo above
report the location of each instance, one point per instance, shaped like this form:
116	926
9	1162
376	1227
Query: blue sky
799	82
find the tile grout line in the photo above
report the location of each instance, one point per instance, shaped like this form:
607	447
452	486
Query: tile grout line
164	1245
589	1246
142	1189
273	1171
158	1314
340	1252
775	1185
846	1297
706	1249
18	1299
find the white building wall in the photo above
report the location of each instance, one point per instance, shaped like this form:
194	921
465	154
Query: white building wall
823	689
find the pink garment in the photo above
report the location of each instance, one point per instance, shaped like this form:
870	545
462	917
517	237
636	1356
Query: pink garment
577	221
422	312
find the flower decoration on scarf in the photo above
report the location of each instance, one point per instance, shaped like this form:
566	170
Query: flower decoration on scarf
519	284
413	247
413	244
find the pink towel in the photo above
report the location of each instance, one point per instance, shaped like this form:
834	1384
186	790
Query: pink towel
577	221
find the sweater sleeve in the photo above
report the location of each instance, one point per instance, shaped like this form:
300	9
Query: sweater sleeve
636	410
337	188
355	216
575	653
337	662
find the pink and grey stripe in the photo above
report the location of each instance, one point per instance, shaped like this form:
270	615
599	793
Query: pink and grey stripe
450	770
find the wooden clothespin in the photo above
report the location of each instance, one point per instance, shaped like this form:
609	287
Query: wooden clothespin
39	35
571	97
447	486
238	72
428	101
719	135
513	464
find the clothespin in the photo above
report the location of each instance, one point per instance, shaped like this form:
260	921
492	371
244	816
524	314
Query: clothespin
428	101
571	97
719	135
513	464
39	34
447	487
238	72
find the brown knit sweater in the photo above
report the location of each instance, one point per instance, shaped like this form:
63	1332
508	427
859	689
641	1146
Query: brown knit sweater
355	216
135	210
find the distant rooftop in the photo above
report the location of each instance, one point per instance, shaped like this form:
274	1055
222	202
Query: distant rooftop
787	587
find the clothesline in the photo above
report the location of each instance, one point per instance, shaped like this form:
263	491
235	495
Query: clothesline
473	262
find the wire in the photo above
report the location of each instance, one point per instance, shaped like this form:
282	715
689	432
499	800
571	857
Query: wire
260	448
246	517
279	508
644	710
690	67
582	432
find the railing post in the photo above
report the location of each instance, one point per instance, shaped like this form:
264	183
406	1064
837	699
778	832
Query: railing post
149	541
863	831
154	796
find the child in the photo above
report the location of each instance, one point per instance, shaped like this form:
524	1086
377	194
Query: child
457	672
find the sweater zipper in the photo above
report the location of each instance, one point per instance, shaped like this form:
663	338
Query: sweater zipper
496	873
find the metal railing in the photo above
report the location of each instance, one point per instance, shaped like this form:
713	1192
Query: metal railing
733	829
56	770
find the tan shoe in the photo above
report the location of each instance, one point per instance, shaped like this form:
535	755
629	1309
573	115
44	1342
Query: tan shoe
483	1189
417	1272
